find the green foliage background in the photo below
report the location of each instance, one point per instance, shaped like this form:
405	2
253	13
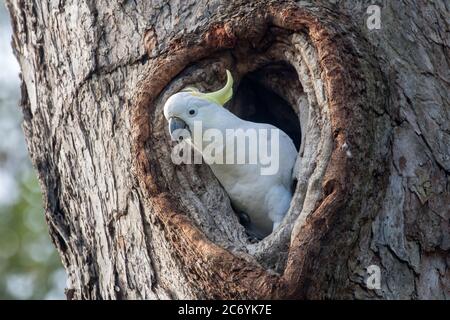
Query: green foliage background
29	264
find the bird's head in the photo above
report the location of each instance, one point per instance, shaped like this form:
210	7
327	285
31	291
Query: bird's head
190	105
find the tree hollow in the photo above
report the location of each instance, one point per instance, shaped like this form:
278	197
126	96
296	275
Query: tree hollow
299	66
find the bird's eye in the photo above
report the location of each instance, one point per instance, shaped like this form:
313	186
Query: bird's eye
192	112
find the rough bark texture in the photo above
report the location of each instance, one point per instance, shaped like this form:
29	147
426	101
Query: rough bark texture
373	170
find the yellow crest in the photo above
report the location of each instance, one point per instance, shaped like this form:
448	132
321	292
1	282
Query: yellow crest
220	97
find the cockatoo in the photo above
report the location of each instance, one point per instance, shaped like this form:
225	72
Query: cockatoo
265	198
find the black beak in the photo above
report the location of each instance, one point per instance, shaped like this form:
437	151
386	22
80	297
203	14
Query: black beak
178	129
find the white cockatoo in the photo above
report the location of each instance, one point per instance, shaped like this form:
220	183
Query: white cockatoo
264	196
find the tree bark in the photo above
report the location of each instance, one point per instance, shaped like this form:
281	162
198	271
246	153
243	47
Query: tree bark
373	183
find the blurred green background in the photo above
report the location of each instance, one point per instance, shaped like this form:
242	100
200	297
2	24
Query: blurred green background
30	267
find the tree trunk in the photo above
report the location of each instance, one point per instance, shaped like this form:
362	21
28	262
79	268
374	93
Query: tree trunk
373	170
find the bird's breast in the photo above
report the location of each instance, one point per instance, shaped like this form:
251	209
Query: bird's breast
247	191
